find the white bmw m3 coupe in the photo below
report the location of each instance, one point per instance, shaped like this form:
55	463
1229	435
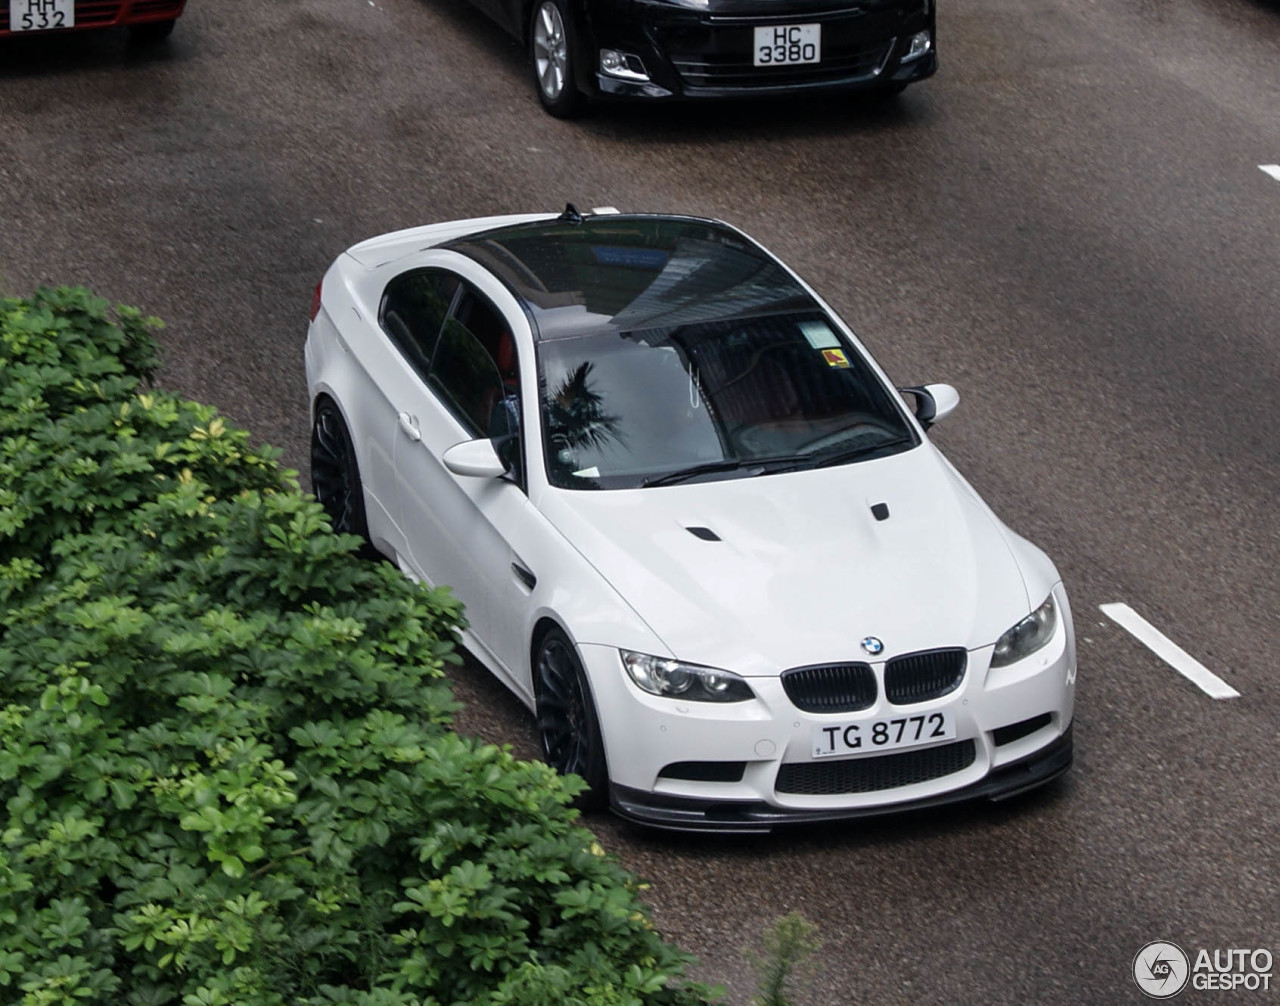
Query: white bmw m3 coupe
695	527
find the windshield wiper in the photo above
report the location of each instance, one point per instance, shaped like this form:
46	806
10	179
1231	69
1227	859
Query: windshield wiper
727	465
839	455
779	462
864	453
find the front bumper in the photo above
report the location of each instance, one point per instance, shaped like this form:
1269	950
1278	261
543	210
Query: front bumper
700	54
675	813
749	766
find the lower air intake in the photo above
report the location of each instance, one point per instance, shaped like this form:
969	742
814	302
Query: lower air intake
870	775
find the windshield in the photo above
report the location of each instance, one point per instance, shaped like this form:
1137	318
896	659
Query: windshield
722	399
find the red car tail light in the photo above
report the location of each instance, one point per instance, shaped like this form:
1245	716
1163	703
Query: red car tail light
315	300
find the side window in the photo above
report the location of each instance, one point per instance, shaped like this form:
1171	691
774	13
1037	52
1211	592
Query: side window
467	371
414	308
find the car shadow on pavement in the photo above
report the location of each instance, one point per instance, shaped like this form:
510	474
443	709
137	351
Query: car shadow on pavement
42	55
490	712
796	117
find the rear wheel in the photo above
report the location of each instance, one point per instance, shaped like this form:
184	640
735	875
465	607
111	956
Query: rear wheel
551	36
567	721
335	474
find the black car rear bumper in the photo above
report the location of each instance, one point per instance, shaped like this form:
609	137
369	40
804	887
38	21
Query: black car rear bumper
686	814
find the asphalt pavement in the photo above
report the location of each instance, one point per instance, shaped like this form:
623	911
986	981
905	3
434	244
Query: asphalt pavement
1072	223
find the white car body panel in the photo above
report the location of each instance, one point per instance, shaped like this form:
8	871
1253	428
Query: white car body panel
802	566
388	248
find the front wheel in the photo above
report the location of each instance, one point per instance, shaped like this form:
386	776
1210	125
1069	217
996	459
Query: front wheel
551	36
567	721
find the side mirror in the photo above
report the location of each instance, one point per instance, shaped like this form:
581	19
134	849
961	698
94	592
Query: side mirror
476	458
933	402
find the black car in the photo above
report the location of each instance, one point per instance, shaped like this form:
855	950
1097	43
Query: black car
673	49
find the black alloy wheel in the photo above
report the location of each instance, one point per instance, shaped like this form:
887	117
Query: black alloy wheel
567	721
335	474
551	46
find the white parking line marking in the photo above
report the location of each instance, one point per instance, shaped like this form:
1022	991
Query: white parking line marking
1168	651
1272	169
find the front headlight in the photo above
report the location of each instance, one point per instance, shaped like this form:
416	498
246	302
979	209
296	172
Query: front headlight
1027	636
674	679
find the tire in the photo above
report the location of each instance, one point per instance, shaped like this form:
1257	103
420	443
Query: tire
335	475
567	720
152	32
551	47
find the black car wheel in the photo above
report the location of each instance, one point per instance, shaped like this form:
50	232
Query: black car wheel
335	474
567	721
551	51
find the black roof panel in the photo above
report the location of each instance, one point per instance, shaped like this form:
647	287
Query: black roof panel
631	273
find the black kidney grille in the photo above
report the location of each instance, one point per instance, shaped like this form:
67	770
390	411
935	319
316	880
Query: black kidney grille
918	677
870	775
831	688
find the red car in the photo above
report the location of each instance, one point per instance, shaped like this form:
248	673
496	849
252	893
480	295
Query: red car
149	20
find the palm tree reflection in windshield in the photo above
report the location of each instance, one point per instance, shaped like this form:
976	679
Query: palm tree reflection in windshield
576	422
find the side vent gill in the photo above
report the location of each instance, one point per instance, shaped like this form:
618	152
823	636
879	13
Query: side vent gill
705	533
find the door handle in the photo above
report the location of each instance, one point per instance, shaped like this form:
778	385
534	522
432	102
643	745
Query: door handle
410	426
524	575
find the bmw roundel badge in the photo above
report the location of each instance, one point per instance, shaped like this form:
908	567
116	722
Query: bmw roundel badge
873	646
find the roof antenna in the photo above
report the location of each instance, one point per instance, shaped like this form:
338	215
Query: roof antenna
571	214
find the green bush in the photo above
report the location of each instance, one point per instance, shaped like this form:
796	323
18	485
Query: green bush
225	759
785	963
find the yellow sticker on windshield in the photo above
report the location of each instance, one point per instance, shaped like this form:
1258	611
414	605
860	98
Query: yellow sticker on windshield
835	358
